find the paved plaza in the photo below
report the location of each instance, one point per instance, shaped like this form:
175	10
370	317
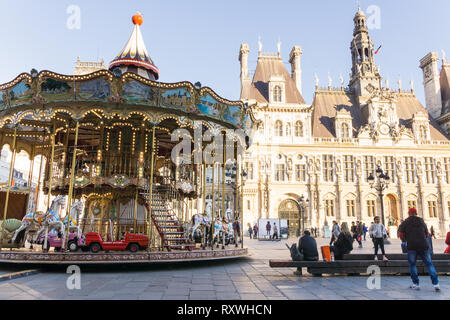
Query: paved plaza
246	278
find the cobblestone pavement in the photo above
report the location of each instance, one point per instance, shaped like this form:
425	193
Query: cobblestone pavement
246	278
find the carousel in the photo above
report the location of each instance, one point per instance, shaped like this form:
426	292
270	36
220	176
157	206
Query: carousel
132	170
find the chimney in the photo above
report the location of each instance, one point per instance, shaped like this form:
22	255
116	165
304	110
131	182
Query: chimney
245	80
296	70
429	66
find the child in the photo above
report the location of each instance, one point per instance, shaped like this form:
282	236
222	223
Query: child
378	232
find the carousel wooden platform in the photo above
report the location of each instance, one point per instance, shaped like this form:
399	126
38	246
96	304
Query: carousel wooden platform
87	258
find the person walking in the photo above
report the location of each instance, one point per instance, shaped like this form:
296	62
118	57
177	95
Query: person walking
359	233
432	232
268	228
365	231
353	230
275	231
415	232
343	244
378	233
255	231
334	232
250	230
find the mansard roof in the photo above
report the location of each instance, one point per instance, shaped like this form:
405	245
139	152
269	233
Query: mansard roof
327	102
259	88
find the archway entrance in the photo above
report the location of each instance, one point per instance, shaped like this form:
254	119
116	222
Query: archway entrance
290	211
392	210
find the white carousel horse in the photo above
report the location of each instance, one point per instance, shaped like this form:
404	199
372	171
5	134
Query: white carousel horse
199	221
51	218
76	210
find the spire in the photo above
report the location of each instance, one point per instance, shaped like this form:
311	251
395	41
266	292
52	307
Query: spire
365	74
134	56
360	22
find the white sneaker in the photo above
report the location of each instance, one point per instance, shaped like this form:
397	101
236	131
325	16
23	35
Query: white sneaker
414	287
437	288
385	258
376	258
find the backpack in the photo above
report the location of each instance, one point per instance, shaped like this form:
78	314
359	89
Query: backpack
296	255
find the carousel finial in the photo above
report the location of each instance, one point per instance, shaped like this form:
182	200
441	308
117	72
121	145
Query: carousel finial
138	19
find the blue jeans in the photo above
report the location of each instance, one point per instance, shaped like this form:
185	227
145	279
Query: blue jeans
426	258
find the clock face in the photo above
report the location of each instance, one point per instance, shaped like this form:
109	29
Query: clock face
384	129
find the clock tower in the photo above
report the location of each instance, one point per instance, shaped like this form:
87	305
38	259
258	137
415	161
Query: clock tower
365	76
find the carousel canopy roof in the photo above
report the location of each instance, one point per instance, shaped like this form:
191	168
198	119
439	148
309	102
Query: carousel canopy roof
134	57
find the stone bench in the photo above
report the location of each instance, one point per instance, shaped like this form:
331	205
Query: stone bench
358	267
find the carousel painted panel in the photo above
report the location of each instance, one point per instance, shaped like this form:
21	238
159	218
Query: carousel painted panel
136	92
97	89
176	98
3	100
19	94
56	90
209	106
232	114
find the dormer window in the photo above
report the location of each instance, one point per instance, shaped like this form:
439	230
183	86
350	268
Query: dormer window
277	94
423	133
344	130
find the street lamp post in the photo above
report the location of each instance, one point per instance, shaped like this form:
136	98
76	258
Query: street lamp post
302	204
381	184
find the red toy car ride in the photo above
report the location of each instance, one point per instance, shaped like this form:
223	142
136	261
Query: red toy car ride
132	242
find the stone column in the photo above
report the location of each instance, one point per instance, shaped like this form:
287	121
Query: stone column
441	202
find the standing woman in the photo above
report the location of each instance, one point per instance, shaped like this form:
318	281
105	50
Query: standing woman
378	233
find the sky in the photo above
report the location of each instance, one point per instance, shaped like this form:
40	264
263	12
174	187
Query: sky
199	40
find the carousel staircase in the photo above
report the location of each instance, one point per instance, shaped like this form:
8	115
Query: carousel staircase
166	222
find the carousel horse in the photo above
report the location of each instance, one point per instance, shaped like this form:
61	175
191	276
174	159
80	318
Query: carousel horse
221	225
71	220
199	221
237	230
52	221
51	218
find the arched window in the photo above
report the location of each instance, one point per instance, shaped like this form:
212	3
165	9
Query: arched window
279	128
423	133
344	130
277	94
299	129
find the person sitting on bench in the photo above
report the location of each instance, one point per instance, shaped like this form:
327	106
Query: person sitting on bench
343	244
308	247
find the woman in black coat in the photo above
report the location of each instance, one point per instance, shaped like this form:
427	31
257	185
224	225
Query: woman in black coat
343	244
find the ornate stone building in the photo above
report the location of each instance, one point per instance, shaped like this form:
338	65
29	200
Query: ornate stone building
327	150
437	88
